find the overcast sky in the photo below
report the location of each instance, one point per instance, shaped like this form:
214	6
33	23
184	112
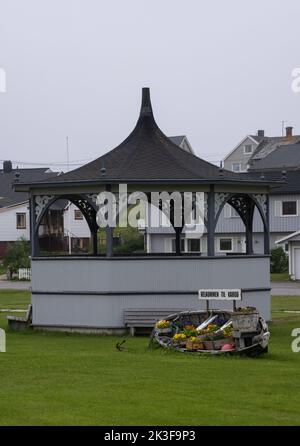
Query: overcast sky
217	71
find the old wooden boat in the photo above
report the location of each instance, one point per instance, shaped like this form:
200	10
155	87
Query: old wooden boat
242	331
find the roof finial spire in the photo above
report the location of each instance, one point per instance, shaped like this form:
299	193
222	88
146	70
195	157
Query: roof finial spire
146	108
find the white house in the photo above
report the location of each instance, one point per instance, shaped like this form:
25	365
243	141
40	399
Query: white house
61	221
293	243
14	224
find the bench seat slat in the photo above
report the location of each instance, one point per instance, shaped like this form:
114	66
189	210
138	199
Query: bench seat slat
146	317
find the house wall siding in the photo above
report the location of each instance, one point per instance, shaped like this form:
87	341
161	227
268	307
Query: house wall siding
108	287
238	156
78	228
278	224
8	223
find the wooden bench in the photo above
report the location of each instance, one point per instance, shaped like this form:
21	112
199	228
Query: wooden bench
146	317
20	323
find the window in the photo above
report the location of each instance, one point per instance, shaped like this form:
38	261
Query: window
233	212
21	220
236	167
194	245
248	148
225	244
78	214
289	208
229	211
174	245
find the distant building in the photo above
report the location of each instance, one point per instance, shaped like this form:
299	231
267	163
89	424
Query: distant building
15	220
276	158
254	148
182	142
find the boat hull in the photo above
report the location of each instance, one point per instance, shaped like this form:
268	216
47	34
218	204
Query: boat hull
250	341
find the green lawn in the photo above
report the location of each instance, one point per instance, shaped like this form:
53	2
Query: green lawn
56	379
280	277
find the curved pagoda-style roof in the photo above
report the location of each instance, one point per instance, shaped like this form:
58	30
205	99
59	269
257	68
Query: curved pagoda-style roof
147	155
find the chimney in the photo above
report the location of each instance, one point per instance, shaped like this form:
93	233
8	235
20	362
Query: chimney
289	132
7	166
261	133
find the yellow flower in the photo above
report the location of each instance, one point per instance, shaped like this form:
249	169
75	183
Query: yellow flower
179	337
194	339
163	324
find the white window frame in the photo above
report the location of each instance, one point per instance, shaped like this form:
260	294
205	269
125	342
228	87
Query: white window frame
232	210
171	243
289	215
248	153
187	245
219	244
228	211
21	214
80	217
240	168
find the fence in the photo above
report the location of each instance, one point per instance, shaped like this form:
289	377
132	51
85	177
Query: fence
24	274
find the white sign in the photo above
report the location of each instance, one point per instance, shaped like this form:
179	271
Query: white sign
220	294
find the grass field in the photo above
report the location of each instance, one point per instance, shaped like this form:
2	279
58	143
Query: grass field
280	277
57	379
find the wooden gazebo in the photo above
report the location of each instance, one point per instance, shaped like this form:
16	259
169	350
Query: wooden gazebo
92	292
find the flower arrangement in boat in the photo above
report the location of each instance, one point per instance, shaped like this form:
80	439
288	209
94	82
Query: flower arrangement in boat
163	324
227	331
179	338
245	319
209	329
220	333
190	330
194	339
246	310
194	343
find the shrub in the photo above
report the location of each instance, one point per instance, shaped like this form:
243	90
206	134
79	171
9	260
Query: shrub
279	260
17	256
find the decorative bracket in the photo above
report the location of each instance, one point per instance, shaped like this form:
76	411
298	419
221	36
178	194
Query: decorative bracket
262	200
220	198
41	201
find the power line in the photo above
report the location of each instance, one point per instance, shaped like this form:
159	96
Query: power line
55	163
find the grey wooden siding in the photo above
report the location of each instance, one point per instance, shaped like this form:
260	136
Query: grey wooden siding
80	292
277	223
238	156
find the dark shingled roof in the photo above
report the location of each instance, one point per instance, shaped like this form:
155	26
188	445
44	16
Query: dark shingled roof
283	157
288	181
177	139
8	196
148	155
268	144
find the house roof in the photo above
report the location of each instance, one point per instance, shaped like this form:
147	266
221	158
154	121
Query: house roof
147	155
268	144
177	139
182	142
282	157
8	196
288	237
257	138
287	183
